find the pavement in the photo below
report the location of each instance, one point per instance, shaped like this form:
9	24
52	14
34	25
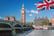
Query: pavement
37	33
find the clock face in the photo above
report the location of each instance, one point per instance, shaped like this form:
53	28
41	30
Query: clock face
22	11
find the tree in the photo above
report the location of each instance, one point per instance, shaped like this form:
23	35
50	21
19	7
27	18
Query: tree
50	24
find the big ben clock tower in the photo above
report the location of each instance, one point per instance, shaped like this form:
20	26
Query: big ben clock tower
23	14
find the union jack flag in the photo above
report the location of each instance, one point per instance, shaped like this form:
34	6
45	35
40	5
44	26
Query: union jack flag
45	4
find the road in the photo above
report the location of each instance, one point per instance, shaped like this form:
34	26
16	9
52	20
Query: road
37	33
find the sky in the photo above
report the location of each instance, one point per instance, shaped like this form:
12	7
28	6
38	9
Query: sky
13	8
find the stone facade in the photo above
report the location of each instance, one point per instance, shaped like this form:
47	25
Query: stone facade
12	18
38	21
7	18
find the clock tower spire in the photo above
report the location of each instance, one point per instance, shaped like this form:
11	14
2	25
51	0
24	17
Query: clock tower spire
23	14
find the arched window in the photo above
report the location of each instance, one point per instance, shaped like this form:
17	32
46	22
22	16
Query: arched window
24	25
17	25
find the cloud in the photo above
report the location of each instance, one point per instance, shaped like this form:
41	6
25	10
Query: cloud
35	4
0	17
30	14
33	11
